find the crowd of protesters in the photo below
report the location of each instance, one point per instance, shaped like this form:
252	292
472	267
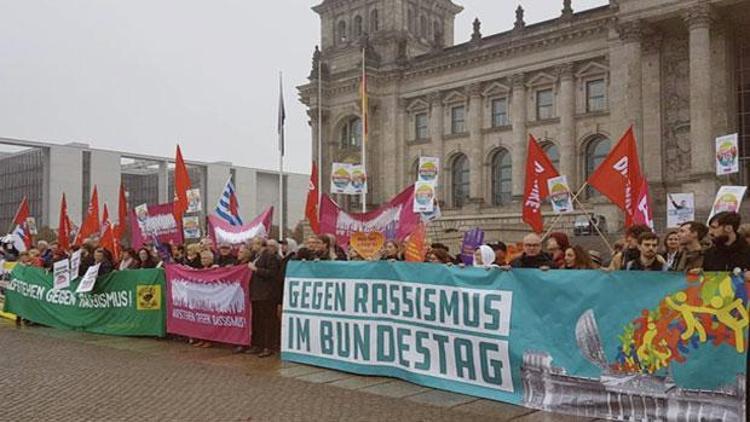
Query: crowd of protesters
723	245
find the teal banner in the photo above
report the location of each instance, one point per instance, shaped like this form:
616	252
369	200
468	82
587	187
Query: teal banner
622	345
125	303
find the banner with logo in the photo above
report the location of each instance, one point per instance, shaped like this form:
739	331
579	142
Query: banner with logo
154	220
424	197
5	270
348	179
728	198
124	303
727	155
210	304
395	220
620	345
680	208
223	232
559	195
429	170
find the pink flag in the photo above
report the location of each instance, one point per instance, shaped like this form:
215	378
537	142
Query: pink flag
395	220
642	214
211	304
221	231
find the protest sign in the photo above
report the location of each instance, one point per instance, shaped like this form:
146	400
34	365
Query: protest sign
472	240
5	270
125	303
194	200
210	304
158	221
728	198
191	227
89	279
348	179
605	345
680	208
359	179
424	197
559	194
31	226
727	155
61	274
223	232
367	245
75	264
416	246
429	170
395	220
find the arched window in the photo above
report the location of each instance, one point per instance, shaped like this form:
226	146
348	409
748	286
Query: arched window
553	153
351	134
460	180
423	27
374	24
358	26
341	31
502	178
596	151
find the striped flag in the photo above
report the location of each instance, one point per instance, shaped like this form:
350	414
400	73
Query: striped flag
228	208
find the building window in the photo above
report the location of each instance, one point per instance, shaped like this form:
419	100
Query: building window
374	24
502	178
595	95
458	119
351	134
358	26
420	126
341	32
460	181
596	152
499	112
544	99
423	27
553	154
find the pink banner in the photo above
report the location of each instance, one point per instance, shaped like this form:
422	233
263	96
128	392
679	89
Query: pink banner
221	231
395	220
210	304
159	222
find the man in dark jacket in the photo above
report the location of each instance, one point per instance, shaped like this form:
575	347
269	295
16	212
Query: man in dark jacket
730	250
226	258
532	256
265	288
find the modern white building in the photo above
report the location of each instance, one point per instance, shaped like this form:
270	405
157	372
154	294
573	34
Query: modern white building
44	171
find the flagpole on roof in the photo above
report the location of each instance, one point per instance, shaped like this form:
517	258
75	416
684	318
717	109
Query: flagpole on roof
364	128
282	116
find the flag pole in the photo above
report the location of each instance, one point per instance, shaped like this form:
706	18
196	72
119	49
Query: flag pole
559	216
364	129
320	133
281	157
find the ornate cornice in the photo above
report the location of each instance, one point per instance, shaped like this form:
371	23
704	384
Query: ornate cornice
435	98
564	71
518	80
631	31
474	90
698	16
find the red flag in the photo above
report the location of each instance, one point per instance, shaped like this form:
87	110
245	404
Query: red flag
108	240
105	218
122	214
538	170
311	206
90	225
642	214
63	229
22	214
181	186
415	245
618	177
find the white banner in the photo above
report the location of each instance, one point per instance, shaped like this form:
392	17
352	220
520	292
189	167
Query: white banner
559	195
194	200
424	197
680	209
89	279
429	170
348	179
61	274
728	198
75	264
727	155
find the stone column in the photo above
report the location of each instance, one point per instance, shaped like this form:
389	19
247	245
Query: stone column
436	137
401	175
475	143
164	182
518	111
628	69
567	112
698	19
652	116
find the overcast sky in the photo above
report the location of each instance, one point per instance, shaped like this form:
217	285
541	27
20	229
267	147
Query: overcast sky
142	75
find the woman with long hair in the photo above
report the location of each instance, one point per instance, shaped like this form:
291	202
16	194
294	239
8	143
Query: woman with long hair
576	258
391	251
557	244
672	249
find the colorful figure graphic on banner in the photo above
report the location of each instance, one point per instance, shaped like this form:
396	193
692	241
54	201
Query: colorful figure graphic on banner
424	197
727	159
359	179
712	309
726	202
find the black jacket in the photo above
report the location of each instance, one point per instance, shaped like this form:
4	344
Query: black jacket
727	258
266	281
525	261
226	261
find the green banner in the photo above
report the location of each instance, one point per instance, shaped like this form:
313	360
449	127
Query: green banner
124	303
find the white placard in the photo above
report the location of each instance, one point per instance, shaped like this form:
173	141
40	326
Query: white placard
429	170
88	280
348	179
424	197
727	155
61	274
680	209
194	200
559	195
75	264
728	198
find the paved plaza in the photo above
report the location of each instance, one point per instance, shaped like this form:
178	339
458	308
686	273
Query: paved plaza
50	374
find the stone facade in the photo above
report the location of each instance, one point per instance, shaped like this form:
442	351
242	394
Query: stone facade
577	82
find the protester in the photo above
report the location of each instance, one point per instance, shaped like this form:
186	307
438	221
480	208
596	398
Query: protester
648	258
691	236
484	257
128	260
309	251
439	256
576	258
672	249
557	244
327	250
596	259
193	255
730	250
391	251
244	256
179	254
146	259
532	256
264	292
226	257
501	253
353	255
24	258
104	262
630	251
35	259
